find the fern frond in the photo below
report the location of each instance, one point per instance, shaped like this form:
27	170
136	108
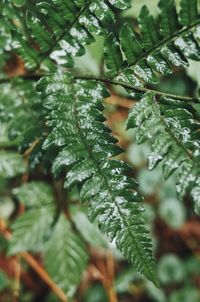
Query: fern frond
176	139
60	29
75	117
158	47
19	105
65	256
23	114
64	252
32	229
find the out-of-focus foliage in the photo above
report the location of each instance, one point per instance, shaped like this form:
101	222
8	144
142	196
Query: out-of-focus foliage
69	196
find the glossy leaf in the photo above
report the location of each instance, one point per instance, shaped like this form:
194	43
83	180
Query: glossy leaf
158	46
176	140
105	185
112	55
65	256
60	29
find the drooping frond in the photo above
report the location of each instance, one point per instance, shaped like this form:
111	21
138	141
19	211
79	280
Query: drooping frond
170	124
75	117
60	29
65	255
160	44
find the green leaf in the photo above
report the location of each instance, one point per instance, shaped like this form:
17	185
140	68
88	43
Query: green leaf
22	47
11	164
148	28
65	256
110	193
112	55
170	269
31	230
59	29
129	43
156	62
188	12
189	47
89	231
34	194
121	4
174	57
4	281
156	47
18	3
168	18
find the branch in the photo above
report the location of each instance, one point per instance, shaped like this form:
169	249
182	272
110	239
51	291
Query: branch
36	77
135	88
44	276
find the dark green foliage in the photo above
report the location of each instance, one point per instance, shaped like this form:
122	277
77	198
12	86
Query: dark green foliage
76	121
176	140
62	125
22	114
159	46
59	29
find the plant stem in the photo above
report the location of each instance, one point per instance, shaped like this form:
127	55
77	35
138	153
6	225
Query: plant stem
135	88
36	77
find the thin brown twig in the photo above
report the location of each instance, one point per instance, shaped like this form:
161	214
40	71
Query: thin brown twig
35	265
111	276
135	88
105	272
111	82
30	149
44	276
16	285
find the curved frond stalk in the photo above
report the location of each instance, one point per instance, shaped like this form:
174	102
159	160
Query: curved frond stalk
75	116
176	140
157	48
